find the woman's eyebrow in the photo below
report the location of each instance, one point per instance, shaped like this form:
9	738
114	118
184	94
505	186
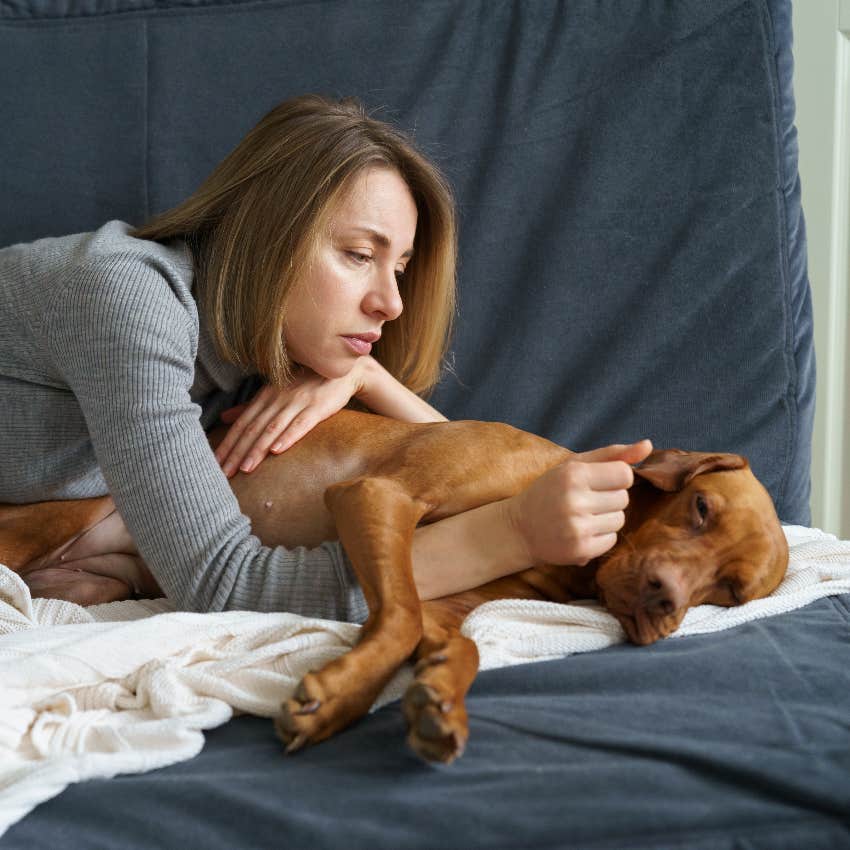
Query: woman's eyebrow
381	238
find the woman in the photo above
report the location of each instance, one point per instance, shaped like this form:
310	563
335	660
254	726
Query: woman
316	261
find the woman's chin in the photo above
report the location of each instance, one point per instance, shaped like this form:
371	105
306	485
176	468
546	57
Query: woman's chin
330	369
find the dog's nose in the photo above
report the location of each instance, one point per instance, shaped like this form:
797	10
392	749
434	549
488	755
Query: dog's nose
664	592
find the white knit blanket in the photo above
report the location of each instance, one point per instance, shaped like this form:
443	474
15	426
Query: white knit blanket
129	686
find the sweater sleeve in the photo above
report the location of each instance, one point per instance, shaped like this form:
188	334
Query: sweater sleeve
126	346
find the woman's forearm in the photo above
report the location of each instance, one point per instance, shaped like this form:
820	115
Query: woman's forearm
467	550
569	515
383	394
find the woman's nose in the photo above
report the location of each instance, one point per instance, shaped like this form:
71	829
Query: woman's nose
383	299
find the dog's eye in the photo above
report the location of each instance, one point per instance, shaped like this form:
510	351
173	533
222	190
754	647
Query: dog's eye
699	510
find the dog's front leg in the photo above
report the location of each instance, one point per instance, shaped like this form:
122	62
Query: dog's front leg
375	520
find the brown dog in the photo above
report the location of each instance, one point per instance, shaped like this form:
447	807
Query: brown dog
699	529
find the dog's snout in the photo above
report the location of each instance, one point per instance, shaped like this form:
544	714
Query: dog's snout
664	592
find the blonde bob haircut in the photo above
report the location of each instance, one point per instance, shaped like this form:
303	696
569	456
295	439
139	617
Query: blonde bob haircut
255	224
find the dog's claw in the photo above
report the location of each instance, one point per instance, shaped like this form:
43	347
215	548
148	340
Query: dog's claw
297	743
460	746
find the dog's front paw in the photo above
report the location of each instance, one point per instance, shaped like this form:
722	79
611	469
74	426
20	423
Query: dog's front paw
318	710
304	719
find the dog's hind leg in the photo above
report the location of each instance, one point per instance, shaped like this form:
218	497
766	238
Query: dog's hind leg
433	704
375	519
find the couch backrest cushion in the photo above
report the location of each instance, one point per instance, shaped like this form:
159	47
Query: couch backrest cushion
632	249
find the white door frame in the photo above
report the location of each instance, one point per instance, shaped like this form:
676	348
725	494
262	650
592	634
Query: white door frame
822	91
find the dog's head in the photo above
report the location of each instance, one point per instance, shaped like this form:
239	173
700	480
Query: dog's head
700	528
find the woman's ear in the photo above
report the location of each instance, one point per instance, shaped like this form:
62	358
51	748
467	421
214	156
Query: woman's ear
672	469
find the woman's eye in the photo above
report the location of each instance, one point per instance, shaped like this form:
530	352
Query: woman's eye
399	275
360	259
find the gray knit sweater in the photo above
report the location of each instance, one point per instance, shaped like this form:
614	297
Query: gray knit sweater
107	382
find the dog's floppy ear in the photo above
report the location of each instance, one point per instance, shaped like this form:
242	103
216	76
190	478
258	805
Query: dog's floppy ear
672	469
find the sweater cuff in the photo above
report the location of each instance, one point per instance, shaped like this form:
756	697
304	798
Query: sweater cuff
352	595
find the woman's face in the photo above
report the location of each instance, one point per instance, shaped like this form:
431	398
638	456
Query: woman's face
337	311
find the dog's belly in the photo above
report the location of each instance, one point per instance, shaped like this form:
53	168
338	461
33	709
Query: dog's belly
284	497
285	510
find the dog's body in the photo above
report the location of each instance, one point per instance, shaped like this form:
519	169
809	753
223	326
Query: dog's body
699	528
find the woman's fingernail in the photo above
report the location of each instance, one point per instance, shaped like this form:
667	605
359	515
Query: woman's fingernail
277	447
247	465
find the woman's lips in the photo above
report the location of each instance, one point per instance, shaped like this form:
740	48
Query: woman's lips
358	345
362	343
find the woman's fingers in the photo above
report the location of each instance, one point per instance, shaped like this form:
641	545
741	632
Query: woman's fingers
599	545
607	502
611	476
273	430
300	424
277	417
240	418
257	438
572	513
627	452
610	523
249	429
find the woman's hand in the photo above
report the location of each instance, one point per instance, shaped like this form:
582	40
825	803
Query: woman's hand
277	417
572	513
